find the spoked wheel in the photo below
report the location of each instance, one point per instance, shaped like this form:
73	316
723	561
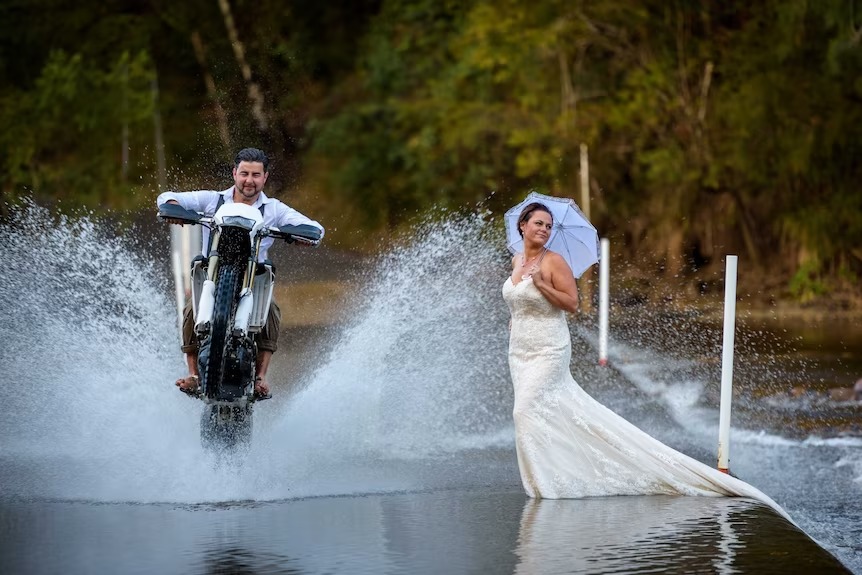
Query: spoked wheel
226	426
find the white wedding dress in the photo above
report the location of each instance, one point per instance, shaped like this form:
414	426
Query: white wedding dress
571	446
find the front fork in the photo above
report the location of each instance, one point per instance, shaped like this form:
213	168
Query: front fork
246	296
240	357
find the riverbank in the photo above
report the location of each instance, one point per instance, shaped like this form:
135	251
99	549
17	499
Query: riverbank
758	296
319	302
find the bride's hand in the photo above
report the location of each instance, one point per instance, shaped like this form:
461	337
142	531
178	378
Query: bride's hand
538	278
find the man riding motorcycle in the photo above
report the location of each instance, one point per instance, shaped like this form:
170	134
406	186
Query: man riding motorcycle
250	172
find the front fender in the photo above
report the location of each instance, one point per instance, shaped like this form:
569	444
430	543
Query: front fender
206	304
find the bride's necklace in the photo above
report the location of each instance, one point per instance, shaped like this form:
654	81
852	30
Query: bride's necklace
533	268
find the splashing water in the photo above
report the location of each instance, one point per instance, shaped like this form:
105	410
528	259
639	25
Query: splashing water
90	336
413	395
419	373
91	351
424	350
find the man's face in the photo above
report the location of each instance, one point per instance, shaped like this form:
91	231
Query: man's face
249	178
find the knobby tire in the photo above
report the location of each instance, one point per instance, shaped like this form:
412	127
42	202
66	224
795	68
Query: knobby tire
223	313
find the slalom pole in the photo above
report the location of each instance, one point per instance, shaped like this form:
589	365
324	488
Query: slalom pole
604	274
727	363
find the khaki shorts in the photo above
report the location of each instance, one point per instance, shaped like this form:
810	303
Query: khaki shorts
266	339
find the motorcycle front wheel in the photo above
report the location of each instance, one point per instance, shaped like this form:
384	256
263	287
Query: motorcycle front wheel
223	312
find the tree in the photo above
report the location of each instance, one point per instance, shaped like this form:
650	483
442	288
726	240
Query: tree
65	134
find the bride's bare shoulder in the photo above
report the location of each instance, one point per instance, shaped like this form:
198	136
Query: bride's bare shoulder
554	258
558	264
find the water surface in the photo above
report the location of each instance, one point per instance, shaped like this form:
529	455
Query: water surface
481	531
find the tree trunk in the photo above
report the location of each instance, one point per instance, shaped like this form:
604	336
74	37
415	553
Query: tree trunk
258	109
673	252
158	136
124	135
221	115
747	225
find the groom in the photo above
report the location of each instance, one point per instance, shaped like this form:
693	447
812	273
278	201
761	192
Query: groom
250	172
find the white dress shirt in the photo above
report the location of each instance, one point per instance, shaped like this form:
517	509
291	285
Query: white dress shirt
276	213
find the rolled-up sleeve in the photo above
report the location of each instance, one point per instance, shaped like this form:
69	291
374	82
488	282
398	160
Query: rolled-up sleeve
198	201
287	216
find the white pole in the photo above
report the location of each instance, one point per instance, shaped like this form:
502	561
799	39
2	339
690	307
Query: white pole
604	274
727	364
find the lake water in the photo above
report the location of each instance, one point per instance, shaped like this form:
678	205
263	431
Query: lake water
388	447
446	531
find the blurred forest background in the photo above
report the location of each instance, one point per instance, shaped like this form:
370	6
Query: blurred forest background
713	127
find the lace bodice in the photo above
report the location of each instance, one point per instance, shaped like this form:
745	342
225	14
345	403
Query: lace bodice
537	326
526	302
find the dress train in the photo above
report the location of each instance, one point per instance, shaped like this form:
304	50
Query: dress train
571	446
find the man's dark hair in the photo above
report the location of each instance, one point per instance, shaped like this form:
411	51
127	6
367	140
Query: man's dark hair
527	213
251	155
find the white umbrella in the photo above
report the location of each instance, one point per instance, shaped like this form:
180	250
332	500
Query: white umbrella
572	235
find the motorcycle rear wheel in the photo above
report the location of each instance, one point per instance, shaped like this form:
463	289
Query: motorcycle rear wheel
226	427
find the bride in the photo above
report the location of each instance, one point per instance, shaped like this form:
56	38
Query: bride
568	444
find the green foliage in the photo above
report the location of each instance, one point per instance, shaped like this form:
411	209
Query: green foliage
453	91
806	284
56	134
712	126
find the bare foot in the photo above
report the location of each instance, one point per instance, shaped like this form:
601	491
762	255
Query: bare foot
189	383
260	387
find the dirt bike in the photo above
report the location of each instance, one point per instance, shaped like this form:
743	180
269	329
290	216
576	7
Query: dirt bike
231	297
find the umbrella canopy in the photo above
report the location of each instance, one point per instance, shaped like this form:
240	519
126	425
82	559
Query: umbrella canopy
572	235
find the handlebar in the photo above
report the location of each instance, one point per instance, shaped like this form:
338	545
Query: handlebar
301	233
177	212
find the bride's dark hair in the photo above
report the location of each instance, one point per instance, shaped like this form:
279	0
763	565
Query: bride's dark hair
528	211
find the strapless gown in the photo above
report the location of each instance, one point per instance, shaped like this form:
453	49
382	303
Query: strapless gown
571	446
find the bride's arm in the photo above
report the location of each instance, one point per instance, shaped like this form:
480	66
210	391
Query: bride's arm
555	281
